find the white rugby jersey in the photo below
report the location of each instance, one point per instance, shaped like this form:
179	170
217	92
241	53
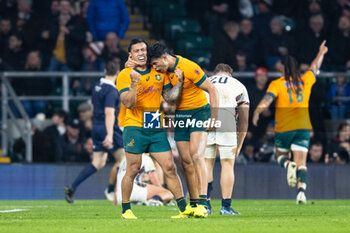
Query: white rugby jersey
232	93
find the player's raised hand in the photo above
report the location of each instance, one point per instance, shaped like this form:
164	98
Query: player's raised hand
131	63
135	77
108	142
179	74
323	47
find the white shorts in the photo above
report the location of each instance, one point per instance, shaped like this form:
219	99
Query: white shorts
138	194
226	152
222	138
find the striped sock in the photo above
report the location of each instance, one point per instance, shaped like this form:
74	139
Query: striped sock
202	200
181	203
193	202
282	159
302	176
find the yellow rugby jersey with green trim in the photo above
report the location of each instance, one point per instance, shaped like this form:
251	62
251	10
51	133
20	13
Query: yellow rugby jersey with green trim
192	95
292	106
149	92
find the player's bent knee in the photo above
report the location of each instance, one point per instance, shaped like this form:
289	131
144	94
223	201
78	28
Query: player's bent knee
99	164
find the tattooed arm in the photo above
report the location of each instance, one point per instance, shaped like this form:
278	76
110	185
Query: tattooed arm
172	94
262	106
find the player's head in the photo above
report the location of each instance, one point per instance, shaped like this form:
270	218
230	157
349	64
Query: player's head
290	71
157	55
112	69
138	50
223	69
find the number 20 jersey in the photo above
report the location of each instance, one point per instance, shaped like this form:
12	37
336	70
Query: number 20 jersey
232	94
292	106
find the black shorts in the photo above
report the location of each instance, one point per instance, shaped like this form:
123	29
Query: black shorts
99	133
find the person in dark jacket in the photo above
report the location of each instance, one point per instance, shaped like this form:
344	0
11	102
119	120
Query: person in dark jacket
65	36
225	46
339	47
315	34
14	54
338	108
278	44
247	41
107	16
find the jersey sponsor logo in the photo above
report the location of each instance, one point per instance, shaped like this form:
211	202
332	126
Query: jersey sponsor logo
131	143
158	77
197	71
145	90
148	78
152	120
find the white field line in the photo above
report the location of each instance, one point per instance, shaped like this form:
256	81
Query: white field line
14	210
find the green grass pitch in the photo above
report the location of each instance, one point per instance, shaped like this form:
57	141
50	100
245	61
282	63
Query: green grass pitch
102	216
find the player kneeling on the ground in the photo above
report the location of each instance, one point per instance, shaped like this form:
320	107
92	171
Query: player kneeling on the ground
233	101
150	194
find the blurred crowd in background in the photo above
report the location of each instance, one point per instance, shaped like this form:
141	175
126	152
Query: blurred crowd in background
249	35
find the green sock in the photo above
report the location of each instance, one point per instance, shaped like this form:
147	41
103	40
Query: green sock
126	206
181	203
202	200
302	174
282	159
193	202
111	188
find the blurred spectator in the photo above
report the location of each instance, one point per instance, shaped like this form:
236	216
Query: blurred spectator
266	145
5	31
339	8
14	54
261	20
307	9
338	107
33	86
70	145
247	41
106	16
57	129
54	9
225	46
316	153
86	154
256	91
65	36
339	45
85	117
29	24
41	146
112	50
247	155
315	34
221	11
8	8
339	148
278	43
243	65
